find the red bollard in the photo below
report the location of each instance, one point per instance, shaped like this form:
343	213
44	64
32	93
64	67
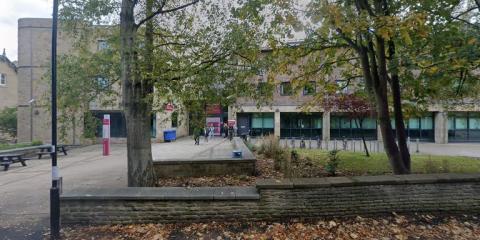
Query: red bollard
106	135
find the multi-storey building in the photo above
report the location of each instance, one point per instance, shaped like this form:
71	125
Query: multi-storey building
34	49
282	117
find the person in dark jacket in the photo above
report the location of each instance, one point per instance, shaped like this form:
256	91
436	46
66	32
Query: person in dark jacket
196	135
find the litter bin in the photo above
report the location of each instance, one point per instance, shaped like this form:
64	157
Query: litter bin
170	135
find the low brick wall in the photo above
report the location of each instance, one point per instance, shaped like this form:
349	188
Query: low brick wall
209	167
200	168
277	200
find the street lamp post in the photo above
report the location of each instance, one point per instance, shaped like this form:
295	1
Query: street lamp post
55	189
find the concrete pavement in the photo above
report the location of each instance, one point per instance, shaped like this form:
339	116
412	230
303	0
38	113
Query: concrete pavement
24	191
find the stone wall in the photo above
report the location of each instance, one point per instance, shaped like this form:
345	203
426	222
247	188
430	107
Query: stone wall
210	166
276	200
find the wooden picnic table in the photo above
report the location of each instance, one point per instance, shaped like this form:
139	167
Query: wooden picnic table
47	149
7	159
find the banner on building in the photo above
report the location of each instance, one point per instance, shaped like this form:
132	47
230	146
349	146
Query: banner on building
169	107
214	109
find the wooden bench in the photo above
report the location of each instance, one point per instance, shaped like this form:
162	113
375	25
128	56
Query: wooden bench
44	150
7	159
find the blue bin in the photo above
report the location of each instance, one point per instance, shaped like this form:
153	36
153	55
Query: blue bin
170	135
237	154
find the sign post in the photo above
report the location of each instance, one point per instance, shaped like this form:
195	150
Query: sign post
106	134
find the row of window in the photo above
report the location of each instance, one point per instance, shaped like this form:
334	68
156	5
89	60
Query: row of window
464	127
461	126
301	125
286	88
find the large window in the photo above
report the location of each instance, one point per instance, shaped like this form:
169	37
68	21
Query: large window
3	79
464	127
102	82
421	128
342	127
342	86
262	124
102	44
174	119
286	89
298	125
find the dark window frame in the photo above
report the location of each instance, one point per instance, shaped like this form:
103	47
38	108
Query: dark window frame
310	91
283	89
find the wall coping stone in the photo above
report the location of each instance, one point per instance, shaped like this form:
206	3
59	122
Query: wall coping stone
367	180
162	193
202	161
238	144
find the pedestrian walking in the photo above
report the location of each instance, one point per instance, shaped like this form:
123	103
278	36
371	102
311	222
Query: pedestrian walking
205	133
225	130
196	135
211	132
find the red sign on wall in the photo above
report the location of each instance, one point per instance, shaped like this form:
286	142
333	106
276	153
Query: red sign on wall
214	109
169	107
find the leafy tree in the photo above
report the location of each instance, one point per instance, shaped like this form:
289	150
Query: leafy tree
392	48
188	52
356	106
8	121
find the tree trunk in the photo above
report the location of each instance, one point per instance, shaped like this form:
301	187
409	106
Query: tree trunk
397	111
360	125
376	78
379	71
136	108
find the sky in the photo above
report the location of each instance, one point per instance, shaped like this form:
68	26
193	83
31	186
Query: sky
10	12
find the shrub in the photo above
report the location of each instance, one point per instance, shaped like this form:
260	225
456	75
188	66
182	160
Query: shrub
8	121
37	143
445	166
332	162
294	155
270	146
431	166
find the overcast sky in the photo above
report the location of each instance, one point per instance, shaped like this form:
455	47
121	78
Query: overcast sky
10	12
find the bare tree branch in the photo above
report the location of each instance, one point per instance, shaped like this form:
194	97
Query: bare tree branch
160	10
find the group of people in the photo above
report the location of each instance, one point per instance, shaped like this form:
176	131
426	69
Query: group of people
209	131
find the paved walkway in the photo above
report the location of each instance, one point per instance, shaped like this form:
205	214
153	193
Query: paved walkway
24	191
184	149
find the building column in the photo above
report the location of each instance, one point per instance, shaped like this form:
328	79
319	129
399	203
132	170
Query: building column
326	126
276	129
441	127
163	122
232	113
379	133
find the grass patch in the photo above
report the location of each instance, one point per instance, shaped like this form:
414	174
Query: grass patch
356	163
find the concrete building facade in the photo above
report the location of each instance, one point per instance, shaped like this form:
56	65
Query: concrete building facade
34	120
283	117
